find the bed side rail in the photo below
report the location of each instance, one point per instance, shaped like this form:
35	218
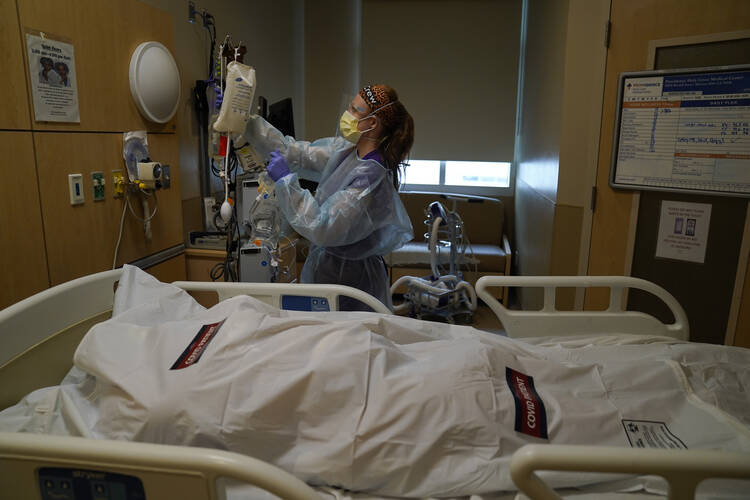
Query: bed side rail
550	321
30	321
165	471
276	294
683	470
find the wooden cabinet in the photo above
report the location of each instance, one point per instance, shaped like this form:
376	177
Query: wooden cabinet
174	269
23	262
199	263
81	238
44	240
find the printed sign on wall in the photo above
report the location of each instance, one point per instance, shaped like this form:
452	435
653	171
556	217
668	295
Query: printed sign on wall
683	231
54	86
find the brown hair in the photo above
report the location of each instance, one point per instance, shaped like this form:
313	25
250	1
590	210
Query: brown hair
398	127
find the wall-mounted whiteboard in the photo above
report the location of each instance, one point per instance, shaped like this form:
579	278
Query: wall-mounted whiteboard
684	130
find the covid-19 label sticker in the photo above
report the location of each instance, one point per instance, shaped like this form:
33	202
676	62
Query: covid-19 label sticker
531	417
193	352
651	434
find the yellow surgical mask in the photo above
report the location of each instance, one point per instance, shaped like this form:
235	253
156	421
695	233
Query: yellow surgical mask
348	126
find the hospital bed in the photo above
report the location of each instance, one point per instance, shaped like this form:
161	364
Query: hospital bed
39	336
549	321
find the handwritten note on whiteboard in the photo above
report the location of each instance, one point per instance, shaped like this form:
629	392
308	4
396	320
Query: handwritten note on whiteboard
685	131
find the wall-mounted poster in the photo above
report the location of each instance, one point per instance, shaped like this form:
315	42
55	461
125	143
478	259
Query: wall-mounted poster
52	71
683	231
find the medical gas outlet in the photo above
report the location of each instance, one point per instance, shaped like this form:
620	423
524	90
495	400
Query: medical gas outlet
118	183
153	175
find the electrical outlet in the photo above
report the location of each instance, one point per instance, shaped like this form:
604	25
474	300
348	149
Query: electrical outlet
118	183
75	187
97	181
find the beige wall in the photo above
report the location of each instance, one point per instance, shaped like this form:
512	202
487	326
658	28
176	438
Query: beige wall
454	64
558	127
273	32
269	29
534	229
537	152
332	38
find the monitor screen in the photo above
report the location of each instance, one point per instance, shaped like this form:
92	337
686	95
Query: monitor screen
280	116
683	130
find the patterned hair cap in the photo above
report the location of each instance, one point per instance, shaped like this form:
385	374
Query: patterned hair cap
376	97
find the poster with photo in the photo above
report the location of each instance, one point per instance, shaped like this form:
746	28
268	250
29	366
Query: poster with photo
54	85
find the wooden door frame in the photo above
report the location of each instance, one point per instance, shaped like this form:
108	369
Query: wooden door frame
742	261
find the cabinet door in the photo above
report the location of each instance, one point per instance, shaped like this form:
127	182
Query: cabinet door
23	263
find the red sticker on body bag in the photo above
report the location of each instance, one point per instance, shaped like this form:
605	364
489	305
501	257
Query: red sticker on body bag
192	354
531	417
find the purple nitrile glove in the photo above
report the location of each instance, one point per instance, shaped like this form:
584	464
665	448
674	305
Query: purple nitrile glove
277	167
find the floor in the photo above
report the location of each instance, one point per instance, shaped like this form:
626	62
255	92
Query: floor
485	319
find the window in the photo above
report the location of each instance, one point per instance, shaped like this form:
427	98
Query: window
465	177
422	172
460	88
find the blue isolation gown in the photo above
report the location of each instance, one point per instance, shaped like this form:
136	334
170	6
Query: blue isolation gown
355	218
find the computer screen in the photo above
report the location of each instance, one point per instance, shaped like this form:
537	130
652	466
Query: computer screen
280	116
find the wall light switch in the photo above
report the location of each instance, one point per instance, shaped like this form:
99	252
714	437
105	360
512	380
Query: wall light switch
75	184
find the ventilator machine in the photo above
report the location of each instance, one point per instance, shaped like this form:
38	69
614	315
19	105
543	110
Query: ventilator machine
444	293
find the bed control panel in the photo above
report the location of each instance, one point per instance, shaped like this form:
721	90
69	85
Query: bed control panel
56	483
304	303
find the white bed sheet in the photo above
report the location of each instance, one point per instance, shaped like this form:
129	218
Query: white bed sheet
385	405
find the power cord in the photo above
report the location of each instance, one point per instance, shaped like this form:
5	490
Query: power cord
127	207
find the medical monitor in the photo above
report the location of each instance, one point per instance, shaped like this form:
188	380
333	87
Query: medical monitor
280	116
684	130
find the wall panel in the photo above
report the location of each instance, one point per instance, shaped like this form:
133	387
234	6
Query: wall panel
104	34
23	264
81	239
174	269
14	113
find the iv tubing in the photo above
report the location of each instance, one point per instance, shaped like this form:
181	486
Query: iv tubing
433	245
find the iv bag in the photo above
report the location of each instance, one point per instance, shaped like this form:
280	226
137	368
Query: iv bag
236	105
134	150
265	214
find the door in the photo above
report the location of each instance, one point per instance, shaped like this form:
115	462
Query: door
634	24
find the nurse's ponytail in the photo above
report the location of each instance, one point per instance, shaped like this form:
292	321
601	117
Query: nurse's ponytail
397	144
398	128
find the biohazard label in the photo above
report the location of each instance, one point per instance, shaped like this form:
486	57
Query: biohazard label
650	434
192	354
531	417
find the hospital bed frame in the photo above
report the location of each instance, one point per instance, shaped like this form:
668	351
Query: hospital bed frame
551	322
46	327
